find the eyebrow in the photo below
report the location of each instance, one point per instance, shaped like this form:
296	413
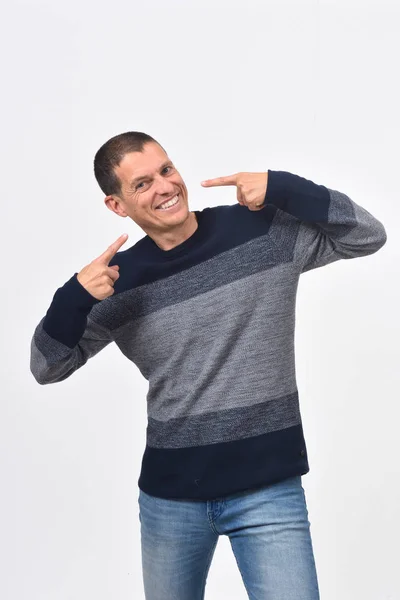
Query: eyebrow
168	163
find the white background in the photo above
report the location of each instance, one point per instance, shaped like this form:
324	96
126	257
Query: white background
307	87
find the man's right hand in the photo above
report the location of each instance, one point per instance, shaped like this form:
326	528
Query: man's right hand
97	277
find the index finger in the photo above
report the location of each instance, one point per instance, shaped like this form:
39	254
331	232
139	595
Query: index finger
227	180
112	249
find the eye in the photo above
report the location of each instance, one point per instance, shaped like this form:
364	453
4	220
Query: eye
141	183
167	168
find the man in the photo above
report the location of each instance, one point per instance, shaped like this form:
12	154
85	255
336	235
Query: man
204	305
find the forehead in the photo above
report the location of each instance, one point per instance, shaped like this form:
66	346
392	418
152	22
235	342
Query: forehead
141	164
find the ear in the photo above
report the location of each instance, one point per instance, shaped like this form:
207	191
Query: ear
115	206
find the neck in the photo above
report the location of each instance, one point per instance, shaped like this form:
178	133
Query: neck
173	238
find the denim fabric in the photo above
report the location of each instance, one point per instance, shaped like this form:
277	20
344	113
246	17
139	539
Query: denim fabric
268	529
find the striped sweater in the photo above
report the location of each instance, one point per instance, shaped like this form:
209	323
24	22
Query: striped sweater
211	324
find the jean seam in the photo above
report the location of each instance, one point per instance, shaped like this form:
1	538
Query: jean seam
211	523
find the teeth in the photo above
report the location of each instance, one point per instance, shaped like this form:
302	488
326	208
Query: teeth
169	203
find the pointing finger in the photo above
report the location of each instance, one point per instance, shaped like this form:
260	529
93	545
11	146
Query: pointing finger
227	180
112	249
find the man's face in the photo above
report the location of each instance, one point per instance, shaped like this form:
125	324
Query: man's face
149	179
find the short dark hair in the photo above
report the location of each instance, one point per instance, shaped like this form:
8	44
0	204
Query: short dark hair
110	155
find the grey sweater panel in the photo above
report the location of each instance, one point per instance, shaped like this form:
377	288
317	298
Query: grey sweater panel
139	319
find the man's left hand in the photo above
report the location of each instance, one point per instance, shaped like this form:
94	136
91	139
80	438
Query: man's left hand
251	188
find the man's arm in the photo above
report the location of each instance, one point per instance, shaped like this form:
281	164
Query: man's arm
66	337
332	225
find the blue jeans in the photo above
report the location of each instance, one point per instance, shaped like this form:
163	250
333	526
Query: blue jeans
268	529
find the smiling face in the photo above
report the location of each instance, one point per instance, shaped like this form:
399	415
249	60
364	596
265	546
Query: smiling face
149	179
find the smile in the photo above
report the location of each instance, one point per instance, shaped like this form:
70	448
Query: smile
169	203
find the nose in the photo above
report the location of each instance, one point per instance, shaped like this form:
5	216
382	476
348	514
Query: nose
163	187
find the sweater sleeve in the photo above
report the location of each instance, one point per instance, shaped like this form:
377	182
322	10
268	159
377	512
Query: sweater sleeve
332	226
66	337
